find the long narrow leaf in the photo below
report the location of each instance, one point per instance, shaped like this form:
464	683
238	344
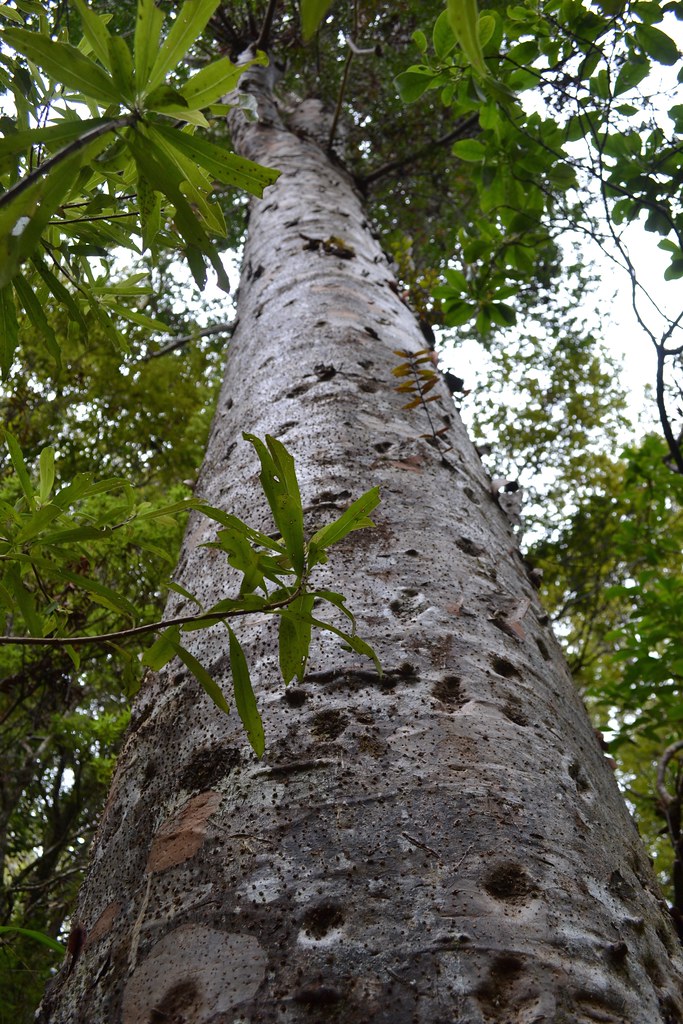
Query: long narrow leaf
221	163
148	24
30	933
244	696
9	329
64	63
208	684
187	27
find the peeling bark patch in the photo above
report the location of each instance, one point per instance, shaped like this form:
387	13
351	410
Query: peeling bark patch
103	923
449	691
503	667
469	547
329	724
207	972
181	835
208	766
510	883
321	920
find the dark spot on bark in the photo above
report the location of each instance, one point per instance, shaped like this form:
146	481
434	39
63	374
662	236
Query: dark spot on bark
576	772
471	495
229	403
318	995
208	766
295	696
543	649
369	386
285	427
372	745
497	990
503	667
407	670
382	447
395	606
512	709
366	363
300	389
616	953
372	332
173	1008
320	920
412	552
449	691
328	725
469	547
509	881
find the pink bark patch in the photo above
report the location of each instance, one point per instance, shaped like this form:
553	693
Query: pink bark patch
183	833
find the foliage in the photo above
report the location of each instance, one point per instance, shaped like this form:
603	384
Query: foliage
97	176
586	146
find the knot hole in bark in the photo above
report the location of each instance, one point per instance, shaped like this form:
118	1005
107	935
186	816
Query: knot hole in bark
509	883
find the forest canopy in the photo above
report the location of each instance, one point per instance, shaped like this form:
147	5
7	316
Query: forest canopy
482	140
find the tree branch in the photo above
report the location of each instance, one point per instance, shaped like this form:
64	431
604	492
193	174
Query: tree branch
396	165
73	147
226	328
150	627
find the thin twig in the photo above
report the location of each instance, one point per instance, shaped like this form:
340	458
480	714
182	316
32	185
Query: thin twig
150	627
266	26
396	165
227	328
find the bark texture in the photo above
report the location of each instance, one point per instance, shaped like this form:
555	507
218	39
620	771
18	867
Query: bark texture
442	844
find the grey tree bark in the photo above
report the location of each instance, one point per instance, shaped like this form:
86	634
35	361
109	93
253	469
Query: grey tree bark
442	844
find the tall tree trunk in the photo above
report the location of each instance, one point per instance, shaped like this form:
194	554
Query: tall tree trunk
444	843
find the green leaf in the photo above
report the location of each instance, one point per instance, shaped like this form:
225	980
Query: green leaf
64	63
38	521
53	137
207	683
36	314
9	329
221	164
121	64
244	696
463	16
657	44
312	14
351	640
30	933
470	150
186	29
443	38
162	650
148	22
95	31
294	637
214	81
20	469
411	84
105	596
47	473
281	488
356	517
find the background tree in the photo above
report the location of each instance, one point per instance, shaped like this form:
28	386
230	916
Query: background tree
457	187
